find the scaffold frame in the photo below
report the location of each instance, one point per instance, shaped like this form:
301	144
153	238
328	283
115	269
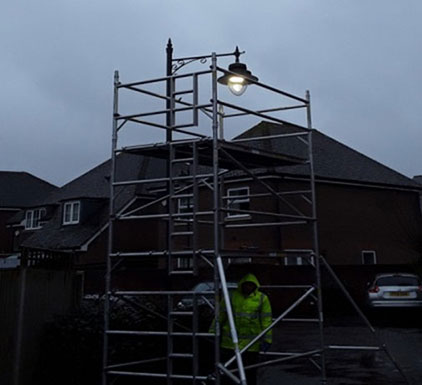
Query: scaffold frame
211	162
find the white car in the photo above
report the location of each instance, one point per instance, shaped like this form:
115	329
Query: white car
395	290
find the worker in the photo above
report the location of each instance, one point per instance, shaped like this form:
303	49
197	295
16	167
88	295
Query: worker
252	314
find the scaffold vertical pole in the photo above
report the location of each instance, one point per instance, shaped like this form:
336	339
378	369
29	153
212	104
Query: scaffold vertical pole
110	228
316	241
218	263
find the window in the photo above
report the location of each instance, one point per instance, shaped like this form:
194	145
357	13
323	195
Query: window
239	261
398	280
369	257
185	205
184	263
71	213
298	261
32	219
238	199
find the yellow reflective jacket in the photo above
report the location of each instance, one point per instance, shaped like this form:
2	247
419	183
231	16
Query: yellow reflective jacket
252	315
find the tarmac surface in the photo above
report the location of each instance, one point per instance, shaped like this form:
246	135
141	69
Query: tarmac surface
402	335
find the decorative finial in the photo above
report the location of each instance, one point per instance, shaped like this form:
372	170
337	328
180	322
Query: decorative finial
237	54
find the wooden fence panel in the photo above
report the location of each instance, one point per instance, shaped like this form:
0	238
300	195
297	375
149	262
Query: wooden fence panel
9	280
47	293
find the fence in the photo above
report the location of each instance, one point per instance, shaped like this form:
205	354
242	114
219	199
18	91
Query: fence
28	299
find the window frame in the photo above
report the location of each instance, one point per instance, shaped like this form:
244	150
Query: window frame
72	220
184	263
32	221
374	255
185	205
297	260
237	201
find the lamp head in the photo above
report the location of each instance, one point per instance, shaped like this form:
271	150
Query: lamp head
239	78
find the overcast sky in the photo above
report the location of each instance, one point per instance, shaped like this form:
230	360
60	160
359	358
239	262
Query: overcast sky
360	59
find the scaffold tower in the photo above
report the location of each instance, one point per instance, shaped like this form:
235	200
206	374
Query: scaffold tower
192	195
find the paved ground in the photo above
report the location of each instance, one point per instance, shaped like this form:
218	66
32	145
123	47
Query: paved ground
403	339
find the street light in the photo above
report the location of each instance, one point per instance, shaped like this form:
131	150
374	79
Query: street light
238	78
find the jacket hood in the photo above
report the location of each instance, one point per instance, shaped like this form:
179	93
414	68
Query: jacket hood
249	278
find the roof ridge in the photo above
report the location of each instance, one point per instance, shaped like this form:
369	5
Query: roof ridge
28	174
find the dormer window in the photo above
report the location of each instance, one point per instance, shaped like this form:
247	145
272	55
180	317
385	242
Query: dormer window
32	219
71	211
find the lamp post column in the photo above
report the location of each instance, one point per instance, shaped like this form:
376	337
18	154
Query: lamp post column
169	71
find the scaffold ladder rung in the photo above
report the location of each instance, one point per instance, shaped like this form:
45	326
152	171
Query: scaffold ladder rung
181	233
182	160
181	355
181	313
178	196
181	272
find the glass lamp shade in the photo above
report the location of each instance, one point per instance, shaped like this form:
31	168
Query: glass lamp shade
238	79
237	85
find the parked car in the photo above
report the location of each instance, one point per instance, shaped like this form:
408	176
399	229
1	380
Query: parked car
11	262
395	290
204	293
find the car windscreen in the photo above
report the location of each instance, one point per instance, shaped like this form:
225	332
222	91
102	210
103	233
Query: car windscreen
398	281
204	286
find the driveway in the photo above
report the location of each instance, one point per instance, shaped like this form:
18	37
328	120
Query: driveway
347	367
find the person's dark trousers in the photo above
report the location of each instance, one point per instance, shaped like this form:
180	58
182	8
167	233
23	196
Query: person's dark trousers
248	358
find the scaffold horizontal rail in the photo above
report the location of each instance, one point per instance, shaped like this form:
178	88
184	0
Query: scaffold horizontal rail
151	253
132	363
353	347
266	213
157	180
181	313
268	87
275	109
251	157
157	333
251	112
163	216
302	320
182	272
181	355
181	233
162	79
158	375
246	225
294	356
269	137
160	292
161	112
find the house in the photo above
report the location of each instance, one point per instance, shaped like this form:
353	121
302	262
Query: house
368	214
18	191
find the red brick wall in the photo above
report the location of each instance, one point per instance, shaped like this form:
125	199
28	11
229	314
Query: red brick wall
352	219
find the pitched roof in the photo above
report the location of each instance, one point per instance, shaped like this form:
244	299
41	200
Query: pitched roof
332	160
95	184
418	179
21	189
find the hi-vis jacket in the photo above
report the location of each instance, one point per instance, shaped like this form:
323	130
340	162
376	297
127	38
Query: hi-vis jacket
252	315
